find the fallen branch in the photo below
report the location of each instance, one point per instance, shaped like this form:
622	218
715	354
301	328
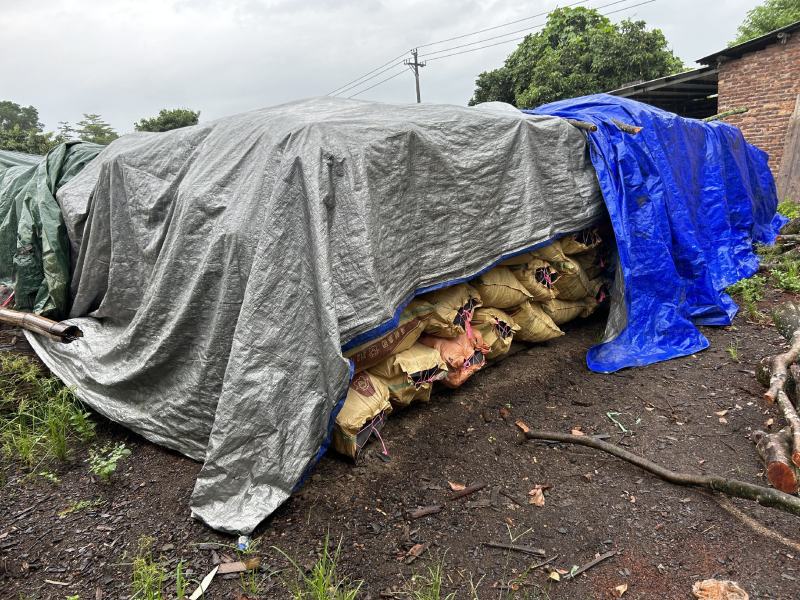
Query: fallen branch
591	564
582	125
516	548
631	129
470	489
63	332
424	511
727	113
756	526
790	414
731	487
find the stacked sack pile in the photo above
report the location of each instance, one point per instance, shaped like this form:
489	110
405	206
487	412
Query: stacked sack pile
448	335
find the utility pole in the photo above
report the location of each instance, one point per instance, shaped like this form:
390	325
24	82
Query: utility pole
414	65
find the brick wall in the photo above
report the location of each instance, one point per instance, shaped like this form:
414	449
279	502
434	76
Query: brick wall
767	82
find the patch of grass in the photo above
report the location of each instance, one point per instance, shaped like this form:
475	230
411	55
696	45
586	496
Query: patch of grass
749	292
733	350
148	577
786	274
79	506
323	581
789	209
429	587
39	416
104	462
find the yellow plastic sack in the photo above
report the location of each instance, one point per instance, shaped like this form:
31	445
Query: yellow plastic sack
591	263
576	285
538	277
499	288
452	308
583	241
497	329
410	327
561	311
367	399
410	374
534	324
554	255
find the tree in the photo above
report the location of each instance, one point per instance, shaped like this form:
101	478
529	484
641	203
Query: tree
21	131
169	119
771	15
578	52
93	129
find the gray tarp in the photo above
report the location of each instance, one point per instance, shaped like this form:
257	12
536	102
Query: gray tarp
220	268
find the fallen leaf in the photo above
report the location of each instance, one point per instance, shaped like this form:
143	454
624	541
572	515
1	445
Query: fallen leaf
537	495
554	576
577	431
504	412
416	550
723	420
721	413
620	589
456	487
715	589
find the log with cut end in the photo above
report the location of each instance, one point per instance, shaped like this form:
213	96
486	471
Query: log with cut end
790	414
787	321
773	448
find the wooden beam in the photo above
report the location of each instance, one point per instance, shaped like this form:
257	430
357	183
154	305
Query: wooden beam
788	180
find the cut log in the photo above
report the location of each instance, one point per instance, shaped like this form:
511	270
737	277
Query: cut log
732	487
790	414
773	448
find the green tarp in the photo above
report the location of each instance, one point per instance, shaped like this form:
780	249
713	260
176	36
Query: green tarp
34	247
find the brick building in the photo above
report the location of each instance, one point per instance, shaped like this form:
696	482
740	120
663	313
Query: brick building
762	75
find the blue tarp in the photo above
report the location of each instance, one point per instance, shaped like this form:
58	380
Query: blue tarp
687	200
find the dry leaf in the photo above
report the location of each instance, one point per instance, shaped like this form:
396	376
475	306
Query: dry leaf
416	550
554	576
723	420
456	487
721	413
577	431
714	589
537	495
620	589
504	412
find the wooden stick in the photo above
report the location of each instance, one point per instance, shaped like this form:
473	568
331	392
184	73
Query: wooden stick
57	330
424	511
470	489
731	487
591	564
790	414
516	548
582	125
632	129
727	113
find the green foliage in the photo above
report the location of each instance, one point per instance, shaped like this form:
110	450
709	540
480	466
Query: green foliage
789	209
169	119
578	52
429	587
322	582
21	131
148	574
93	129
786	274
39	416
769	16
103	462
733	350
749	292
79	506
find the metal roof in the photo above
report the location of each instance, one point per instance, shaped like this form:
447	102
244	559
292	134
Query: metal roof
690	94
753	45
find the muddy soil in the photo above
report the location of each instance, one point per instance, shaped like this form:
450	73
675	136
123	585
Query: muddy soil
692	414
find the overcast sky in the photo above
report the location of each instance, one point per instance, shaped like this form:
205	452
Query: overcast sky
126	59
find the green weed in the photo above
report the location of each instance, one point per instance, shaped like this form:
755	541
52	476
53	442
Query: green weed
180	581
429	587
104	462
323	581
789	209
39	416
733	350
750	292
786	274
148	574
79	506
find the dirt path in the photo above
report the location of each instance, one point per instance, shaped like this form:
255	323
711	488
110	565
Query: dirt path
666	537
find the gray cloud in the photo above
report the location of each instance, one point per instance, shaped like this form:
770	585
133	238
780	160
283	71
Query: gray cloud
126	59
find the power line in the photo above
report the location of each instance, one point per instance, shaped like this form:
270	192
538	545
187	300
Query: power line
476	42
363	79
497	37
523	37
377	84
365	74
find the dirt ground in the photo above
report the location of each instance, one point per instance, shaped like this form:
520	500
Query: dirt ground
666	537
